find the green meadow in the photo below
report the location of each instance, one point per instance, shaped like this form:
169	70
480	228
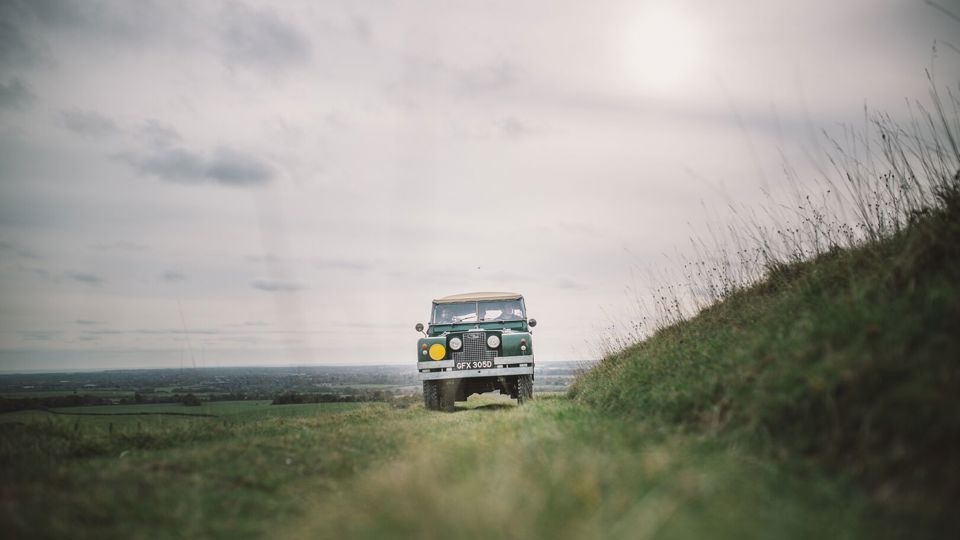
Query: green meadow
554	469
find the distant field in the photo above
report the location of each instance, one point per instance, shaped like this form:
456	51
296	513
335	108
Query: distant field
56	393
129	416
242	383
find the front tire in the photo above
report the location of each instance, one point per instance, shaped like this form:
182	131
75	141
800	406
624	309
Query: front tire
448	394
431	395
524	389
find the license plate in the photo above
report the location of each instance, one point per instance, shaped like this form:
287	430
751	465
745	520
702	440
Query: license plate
473	364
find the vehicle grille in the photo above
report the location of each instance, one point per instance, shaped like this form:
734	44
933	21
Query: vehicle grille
475	348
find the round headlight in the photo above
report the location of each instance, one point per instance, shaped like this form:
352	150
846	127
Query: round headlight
493	341
455	344
437	351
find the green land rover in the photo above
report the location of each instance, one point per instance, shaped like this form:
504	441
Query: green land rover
475	343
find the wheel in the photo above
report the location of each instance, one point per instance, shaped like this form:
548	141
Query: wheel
431	395
448	393
524	389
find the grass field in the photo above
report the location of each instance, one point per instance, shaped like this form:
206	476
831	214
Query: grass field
551	470
177	477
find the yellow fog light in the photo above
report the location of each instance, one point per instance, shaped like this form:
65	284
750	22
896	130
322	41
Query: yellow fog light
437	351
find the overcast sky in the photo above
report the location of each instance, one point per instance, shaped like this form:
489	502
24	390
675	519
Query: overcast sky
230	183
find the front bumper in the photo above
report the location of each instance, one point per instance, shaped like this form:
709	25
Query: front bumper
504	366
468	373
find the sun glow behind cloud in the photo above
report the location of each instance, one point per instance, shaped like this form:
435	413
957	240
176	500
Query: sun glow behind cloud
662	49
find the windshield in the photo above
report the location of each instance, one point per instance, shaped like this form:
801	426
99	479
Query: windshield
467	312
454	313
507	310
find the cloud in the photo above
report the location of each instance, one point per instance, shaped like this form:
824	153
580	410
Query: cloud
514	128
154	332
423	74
236	169
362	29
172	276
569	284
16	48
264	259
120	245
260	39
14	95
39	335
343	264
85	277
51	12
487	78
247	324
24	24
275	285
87	322
173	165
582	229
225	166
16	249
88	123
158	135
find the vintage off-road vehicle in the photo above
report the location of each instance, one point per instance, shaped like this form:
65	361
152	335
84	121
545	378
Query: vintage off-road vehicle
474	343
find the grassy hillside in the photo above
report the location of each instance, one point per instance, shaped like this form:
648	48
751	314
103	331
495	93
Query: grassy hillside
850	360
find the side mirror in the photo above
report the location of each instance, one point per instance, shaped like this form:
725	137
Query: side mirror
419	327
532	322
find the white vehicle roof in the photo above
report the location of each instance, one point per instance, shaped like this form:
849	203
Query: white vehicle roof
477	297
